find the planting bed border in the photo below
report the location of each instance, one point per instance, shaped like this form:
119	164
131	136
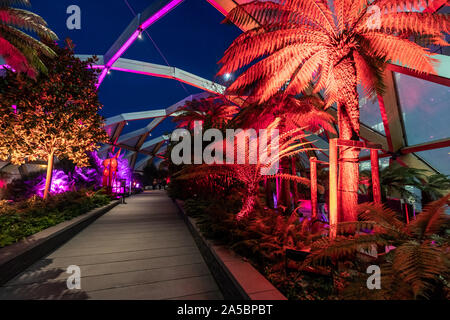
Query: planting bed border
17	257
236	278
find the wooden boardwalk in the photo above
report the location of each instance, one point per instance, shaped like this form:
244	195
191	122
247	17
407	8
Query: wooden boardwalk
140	250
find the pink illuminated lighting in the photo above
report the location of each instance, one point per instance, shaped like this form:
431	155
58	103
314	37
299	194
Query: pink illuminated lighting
124	48
160	13
135	35
102	77
162	76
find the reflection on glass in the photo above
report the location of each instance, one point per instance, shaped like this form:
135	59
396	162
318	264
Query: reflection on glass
370	112
438	159
424	106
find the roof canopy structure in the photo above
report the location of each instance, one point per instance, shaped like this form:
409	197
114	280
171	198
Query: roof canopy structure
406	120
388	121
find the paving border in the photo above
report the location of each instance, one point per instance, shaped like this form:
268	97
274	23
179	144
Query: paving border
236	278
19	256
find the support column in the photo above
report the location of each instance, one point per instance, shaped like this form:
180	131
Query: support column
313	176
376	187
295	186
333	207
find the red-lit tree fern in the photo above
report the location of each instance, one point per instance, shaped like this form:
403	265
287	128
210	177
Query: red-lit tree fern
296	42
250	175
212	112
21	51
305	112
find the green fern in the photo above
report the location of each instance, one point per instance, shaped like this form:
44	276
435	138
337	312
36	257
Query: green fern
417	266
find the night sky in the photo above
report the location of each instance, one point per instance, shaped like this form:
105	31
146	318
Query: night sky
191	37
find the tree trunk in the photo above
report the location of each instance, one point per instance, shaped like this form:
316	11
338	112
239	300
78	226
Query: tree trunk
295	187
286	184
348	171
48	179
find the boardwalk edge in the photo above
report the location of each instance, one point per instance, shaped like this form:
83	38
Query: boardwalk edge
19	256
236	278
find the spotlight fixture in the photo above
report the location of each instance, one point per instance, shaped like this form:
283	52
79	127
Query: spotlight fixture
227	76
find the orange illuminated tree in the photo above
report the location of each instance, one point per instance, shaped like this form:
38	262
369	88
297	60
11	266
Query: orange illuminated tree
54	116
293	43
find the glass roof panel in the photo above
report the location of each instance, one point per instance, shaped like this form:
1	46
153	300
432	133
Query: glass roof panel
370	112
424	107
438	159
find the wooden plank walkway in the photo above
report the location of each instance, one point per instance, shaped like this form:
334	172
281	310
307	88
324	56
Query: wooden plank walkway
140	250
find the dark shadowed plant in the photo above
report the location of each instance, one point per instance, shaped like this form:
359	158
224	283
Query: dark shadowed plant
416	264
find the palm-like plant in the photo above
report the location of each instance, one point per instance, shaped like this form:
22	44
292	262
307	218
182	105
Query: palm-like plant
213	113
418	261
19	50
250	175
304	112
296	42
434	187
395	178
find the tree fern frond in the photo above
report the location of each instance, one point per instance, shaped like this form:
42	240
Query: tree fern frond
27	20
278	67
15	58
417	264
382	215
401	51
367	74
433	219
391	6
414	22
341	247
342	9
319	11
9	3
300	80
254	44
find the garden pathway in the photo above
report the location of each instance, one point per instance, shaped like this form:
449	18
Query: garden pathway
138	250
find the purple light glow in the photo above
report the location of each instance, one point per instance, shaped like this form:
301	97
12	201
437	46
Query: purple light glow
6	66
60	184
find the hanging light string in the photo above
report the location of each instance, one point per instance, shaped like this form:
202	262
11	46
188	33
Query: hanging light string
155	45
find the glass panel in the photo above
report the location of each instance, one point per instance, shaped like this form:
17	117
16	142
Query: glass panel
424	106
370	112
438	159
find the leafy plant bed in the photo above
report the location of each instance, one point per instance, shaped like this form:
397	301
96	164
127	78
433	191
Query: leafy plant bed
266	254
265	237
22	219
235	276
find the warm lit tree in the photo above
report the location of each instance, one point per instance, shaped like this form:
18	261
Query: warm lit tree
52	116
21	51
292	43
212	112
